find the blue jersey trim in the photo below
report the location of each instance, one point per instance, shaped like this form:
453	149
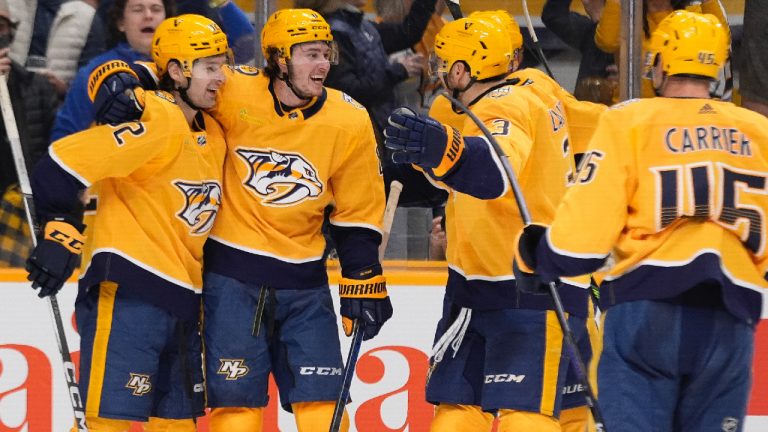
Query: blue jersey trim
650	282
479	174
262	270
486	295
136	282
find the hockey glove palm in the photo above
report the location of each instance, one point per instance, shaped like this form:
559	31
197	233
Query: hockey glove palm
366	301
423	141
524	263
115	91
56	255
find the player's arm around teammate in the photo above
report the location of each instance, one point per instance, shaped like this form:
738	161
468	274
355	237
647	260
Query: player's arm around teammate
295	148
160	189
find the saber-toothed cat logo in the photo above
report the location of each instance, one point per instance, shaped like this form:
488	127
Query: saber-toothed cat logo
281	179
201	206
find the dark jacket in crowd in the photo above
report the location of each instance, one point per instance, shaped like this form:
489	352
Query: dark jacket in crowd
34	106
365	73
578	31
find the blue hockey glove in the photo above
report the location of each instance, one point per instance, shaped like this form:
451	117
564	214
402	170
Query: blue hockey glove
114	88
423	141
524	263
56	255
367	301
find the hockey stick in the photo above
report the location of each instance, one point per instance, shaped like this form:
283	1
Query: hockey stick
357	334
573	352
535	40
395	188
26	189
454	7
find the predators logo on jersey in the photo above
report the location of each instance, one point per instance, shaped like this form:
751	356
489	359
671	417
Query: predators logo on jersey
201	206
281	179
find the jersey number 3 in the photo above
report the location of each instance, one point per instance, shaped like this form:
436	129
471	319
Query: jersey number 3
729	197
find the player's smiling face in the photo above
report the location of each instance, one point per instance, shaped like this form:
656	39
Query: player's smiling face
207	78
139	21
310	64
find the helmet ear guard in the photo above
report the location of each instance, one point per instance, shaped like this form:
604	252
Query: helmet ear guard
185	39
690	44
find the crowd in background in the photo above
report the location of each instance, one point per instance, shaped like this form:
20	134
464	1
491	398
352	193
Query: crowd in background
49	47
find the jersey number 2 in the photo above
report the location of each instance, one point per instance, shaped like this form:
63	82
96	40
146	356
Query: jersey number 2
134	129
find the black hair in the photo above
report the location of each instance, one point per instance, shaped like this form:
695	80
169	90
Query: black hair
115	14
272	69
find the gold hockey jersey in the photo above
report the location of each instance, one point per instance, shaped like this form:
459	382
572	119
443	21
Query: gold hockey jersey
159	191
480	232
677	192
582	116
284	168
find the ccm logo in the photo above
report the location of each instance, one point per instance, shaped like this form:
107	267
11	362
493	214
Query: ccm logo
504	378
312	370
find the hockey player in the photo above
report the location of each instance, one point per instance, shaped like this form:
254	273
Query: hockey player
160	182
581	119
294	148
677	195
581	115
511	359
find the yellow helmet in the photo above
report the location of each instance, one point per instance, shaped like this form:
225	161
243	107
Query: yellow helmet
689	43
186	38
288	27
483	46
506	21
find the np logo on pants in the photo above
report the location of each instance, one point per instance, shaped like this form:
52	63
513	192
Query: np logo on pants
233	368
140	384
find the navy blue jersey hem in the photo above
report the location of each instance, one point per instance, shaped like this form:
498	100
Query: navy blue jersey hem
136	282
649	282
262	270
488	295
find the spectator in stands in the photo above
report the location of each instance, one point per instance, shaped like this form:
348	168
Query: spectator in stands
578	31
365	73
131	26
68	46
226	13
754	63
415	91
51	40
608	31
34	104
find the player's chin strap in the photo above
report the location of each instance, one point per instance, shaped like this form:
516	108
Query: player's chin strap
286	77
456	92
185	97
